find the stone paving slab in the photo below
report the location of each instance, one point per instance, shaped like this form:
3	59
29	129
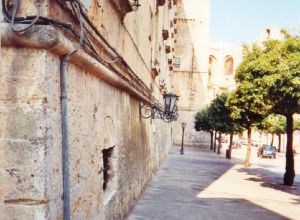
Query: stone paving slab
202	185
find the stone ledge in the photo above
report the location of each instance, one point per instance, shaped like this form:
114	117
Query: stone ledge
48	38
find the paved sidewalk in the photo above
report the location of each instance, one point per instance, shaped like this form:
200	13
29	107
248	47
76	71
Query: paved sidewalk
202	185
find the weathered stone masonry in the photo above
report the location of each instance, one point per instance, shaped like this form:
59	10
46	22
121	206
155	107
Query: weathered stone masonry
103	111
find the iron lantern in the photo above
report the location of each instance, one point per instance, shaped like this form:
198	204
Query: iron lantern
170	100
168	113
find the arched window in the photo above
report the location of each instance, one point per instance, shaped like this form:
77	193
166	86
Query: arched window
212	65
228	65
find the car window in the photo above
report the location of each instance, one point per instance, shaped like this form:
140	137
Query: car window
269	148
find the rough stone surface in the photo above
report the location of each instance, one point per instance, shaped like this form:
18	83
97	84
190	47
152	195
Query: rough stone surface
100	116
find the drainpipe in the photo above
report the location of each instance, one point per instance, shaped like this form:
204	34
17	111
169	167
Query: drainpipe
65	136
64	120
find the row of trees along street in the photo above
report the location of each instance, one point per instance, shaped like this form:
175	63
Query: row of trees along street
266	98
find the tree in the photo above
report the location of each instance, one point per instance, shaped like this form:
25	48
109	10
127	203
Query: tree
282	85
275	125
247	101
273	73
223	122
204	122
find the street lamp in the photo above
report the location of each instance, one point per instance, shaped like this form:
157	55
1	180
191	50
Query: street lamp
168	113
183	124
170	108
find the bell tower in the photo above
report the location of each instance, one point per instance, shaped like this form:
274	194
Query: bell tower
191	59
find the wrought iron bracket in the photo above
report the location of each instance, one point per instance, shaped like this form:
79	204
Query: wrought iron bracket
154	112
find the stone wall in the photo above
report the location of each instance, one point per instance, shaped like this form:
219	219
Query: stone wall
103	113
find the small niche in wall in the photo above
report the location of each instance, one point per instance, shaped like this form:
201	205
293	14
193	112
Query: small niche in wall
109	173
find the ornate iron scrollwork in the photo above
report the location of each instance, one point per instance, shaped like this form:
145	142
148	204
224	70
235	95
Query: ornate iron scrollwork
154	112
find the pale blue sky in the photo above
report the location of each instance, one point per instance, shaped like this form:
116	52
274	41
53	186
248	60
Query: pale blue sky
241	21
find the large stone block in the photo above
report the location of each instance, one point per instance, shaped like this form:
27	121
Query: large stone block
23	155
25	125
18	211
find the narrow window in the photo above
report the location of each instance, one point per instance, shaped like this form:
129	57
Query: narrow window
212	65
228	65
107	167
268	32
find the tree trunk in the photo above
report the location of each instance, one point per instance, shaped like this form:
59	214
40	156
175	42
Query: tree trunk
211	140
260	134
219	145
248	154
272	140
230	146
279	143
289	167
215	142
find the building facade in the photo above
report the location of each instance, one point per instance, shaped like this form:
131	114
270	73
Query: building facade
72	86
224	58
190	75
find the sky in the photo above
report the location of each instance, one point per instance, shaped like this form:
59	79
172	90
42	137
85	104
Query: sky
241	21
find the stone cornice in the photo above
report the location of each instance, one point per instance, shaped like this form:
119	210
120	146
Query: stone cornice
48	38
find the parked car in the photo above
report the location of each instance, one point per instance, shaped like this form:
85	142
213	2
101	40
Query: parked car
236	145
266	151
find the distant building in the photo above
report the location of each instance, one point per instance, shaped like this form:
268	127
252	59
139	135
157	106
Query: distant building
224	58
274	33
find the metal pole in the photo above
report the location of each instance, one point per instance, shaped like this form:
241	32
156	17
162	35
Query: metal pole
182	150
65	144
65	136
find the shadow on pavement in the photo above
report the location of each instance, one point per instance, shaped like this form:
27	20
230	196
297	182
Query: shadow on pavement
235	209
271	180
172	194
206	209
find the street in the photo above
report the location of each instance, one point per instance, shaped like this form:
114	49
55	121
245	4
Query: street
203	185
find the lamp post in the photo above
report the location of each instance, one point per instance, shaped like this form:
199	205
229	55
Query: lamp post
183	124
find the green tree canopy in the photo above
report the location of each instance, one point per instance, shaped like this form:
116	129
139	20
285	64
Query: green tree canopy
269	82
273	124
204	120
247	103
297	124
222	119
